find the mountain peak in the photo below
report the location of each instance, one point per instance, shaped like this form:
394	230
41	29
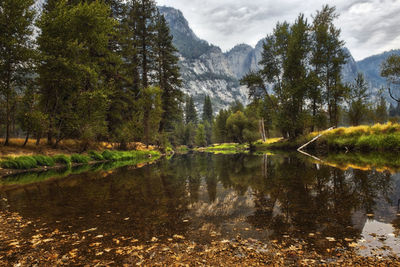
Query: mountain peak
185	40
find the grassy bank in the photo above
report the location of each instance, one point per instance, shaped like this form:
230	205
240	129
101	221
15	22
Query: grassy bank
41	161
379	137
234	148
227	148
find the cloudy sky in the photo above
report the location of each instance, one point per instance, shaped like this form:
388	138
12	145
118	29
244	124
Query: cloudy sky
368	26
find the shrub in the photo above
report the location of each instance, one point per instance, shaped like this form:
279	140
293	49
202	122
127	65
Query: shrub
78	158
108	155
20	163
44	160
96	156
62	159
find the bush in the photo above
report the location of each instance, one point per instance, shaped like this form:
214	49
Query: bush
78	158
20	163
44	160
96	156
108	155
62	159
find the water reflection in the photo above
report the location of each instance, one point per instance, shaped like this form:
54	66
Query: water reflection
205	196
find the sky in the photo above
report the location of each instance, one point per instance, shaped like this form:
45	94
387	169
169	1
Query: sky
368	27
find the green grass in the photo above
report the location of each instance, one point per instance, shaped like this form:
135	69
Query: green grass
20	163
112	155
94	155
33	177
32	162
44	160
78	158
63	159
226	148
379	137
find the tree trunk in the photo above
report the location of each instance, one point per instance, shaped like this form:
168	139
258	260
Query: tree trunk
26	139
6	143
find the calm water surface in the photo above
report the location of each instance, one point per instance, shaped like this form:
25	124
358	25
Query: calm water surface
206	197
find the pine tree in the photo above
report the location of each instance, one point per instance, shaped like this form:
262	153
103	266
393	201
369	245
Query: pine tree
207	110
358	105
74	44
16	51
220	132
328	60
284	58
381	112
190	111
200	138
150	104
145	10
168	75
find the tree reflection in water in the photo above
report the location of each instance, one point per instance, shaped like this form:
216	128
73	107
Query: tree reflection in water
272	195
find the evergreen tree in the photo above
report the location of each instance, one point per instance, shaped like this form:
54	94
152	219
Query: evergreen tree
190	111
168	76
381	112
284	58
145	11
200	138
207	110
220	132
150	104
328	60
74	44
358	105
16	52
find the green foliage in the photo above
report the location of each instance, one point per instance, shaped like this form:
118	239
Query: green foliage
63	159
112	155
150	113
73	43
17	54
20	163
200	139
358	105
302	65
220	132
94	155
44	160
190	111
78	158
207	110
168	75
391	71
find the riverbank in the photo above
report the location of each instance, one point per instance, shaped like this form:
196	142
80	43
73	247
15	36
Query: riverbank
42	163
31	243
378	138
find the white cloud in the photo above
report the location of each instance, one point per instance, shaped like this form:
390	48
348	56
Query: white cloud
368	26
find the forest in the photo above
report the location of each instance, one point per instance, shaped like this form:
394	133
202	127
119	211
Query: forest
108	71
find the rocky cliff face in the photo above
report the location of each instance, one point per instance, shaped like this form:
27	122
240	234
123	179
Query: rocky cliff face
208	70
